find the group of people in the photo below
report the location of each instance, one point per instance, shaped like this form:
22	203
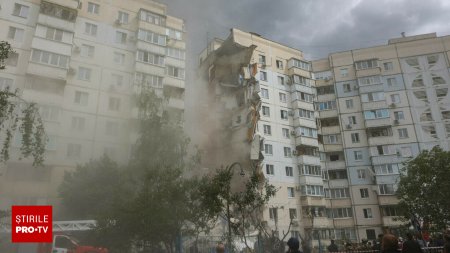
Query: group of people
387	243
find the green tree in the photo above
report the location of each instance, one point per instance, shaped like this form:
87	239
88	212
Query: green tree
424	190
17	115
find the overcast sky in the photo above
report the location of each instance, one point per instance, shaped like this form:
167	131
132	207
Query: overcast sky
317	27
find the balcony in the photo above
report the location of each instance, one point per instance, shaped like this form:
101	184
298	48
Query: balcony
47	71
297	104
176	103
42	97
72	4
150	69
381	140
334	165
151	27
55	22
306	159
312	201
371	88
326	97
337	183
328	114
387	200
330	130
368	72
298	71
343	222
323	82
374	105
392	221
384	159
175	62
302	88
174	82
149	47
378	122
316	222
332	147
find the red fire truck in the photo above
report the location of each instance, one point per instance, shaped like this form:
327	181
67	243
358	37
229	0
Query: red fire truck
66	244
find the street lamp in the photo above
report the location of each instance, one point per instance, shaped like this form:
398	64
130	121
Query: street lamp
241	173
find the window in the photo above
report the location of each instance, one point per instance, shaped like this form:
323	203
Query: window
264	93
48	58
280	80
121	37
358	155
373	96
16	34
292	213
73	150
273	213
152	37
268	149
13	59
302	113
93	8
390	211
287	152
323	90
376	114
6	83
279	64
370	233
302	80
269	169
329	105
344	72
21	10
151	17
90	29
367	64
58	11
386	169
114	104
284	114
286	133
313	170
337	174
54	34
388	66
337	193
78	123
282	97
437	80
262	59
148	81
352	120
336	213
364	193
266	111
399	115
119	58
305	97
174	34
87	51
312	190
349	103
111	128
384	150
151	58
306	131
367	213
49	113
84	73
395	98
441	93
347	87
386	189
262	76
332	139
355	137
289	171
267	129
176	53
123	17
291	192
391	81
81	98
334	157
369	80
403	133
175	72
361	173
300	64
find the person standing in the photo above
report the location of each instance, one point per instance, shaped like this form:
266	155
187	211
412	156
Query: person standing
293	245
389	244
333	247
411	245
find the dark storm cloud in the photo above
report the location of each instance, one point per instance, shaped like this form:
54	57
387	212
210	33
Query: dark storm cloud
315	26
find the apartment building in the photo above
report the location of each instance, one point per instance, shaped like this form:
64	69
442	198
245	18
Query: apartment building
82	61
259	111
378	107
332	133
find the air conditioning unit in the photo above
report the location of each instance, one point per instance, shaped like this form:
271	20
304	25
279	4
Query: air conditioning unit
291	113
71	71
118	22
294	152
396	122
349	126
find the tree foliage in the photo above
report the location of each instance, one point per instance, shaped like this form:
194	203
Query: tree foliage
19	116
424	190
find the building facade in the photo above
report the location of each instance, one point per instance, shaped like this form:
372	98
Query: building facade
333	132
82	62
